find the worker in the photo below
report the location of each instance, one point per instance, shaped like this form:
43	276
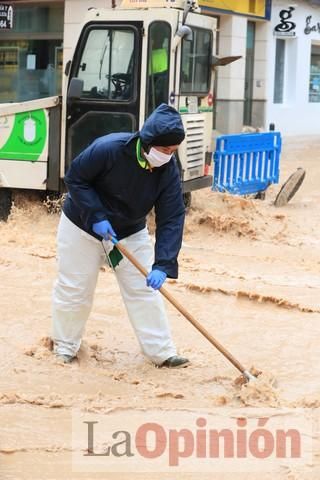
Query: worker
158	68
112	186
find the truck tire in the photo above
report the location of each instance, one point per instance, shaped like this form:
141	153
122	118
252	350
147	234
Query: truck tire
5	203
187	199
186	195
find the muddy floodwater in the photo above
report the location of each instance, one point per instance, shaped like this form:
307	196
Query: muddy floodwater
249	272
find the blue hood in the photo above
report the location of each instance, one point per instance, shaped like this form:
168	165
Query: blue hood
163	120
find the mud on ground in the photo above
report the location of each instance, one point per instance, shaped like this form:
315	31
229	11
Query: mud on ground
249	272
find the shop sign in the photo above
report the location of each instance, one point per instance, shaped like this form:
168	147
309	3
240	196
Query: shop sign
258	8
285	28
6	16
23	136
311	27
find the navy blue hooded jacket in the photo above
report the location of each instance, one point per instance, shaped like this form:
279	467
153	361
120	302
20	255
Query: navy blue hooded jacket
106	182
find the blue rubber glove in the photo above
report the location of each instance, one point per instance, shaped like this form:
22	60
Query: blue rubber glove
104	229
156	279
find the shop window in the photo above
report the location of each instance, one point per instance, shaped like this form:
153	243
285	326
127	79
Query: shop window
196	62
158	65
38	19
279	71
314	82
31	54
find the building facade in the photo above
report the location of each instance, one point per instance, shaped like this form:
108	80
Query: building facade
31	53
293	78
240	92
276	80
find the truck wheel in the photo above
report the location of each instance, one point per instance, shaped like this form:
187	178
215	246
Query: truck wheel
5	203
187	199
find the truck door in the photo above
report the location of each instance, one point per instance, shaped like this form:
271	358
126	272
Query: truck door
108	61
158	65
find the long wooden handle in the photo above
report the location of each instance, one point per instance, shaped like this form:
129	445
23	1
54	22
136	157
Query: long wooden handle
184	312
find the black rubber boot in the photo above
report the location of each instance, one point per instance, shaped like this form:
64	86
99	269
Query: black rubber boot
175	362
65	358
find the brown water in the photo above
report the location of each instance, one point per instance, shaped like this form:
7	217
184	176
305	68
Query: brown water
248	272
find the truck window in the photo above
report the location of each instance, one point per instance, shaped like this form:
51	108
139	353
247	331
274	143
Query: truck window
158	65
195	62
107	64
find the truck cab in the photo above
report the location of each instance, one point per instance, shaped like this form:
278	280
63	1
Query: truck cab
126	62
129	60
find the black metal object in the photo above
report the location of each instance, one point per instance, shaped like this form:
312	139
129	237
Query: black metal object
54	153
5	203
290	187
197	183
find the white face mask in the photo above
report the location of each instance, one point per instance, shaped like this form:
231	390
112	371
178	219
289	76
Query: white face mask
157	158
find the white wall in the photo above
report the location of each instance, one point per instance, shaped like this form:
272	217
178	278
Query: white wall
296	115
260	61
232	41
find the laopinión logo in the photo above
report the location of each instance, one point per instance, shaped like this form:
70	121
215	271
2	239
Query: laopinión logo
186	441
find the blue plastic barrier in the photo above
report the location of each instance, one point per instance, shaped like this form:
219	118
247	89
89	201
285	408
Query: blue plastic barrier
247	162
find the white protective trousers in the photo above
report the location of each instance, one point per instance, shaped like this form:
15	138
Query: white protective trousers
80	257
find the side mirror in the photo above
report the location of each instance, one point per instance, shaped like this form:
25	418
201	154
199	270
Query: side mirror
75	88
183	32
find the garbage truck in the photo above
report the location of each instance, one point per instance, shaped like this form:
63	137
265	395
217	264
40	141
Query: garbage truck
127	60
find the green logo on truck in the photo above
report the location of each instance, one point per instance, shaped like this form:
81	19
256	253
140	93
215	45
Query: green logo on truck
23	136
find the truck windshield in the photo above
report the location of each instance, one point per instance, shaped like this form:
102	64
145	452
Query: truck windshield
195	62
107	64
